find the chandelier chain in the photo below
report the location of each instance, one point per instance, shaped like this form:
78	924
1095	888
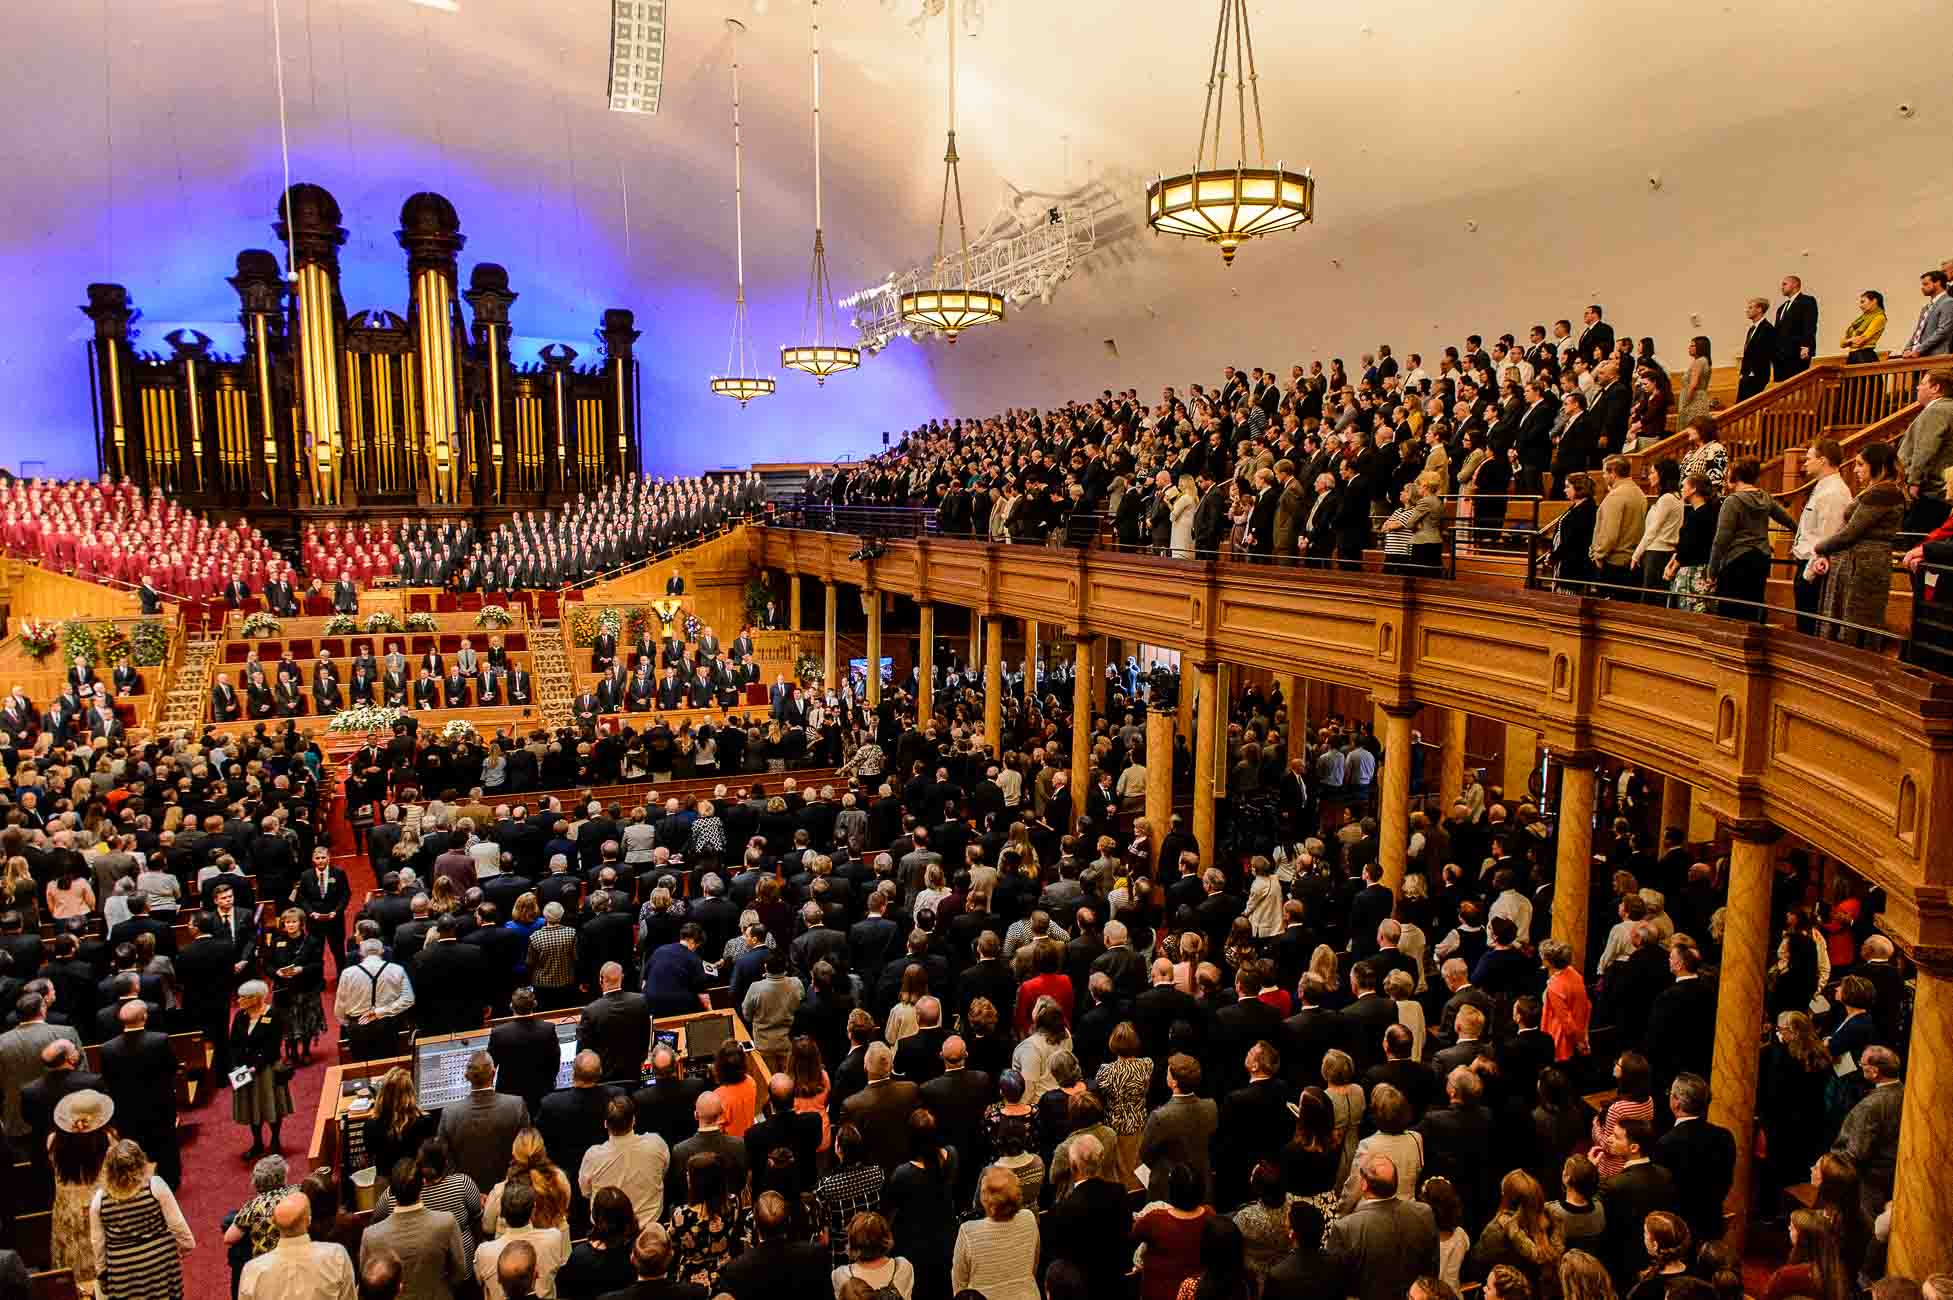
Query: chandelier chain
736	350
1241	80
1254	92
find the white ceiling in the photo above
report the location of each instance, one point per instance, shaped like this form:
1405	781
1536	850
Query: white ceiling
1772	127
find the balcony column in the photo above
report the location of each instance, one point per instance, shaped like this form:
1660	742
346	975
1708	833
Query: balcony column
796	623
975	660
925	689
1574	869
1922	1196
829	665
872	602
1674	805
1702	822
1207	740
1746	956
993	687
1031	662
1451	766
1393	825
1081	724
1521	750
1159	774
1295	695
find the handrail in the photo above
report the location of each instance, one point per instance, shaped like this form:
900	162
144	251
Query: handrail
623	570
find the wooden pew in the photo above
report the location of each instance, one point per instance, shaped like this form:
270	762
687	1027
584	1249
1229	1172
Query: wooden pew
193	1056
57	1284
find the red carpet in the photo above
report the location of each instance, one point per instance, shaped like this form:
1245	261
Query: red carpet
215	1180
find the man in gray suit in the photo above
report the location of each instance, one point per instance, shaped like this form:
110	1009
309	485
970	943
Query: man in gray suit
1932	335
1181	1131
480	1129
1926	449
20	1058
426	1241
1385	1244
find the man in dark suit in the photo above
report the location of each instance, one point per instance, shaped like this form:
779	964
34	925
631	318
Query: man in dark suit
526	1052
1681	1031
1248	1114
1759	350
1238	1027
139	1072
1796	330
957	1098
1458	1143
324	895
1210	519
61	1059
345	595
776	1264
1597	336
480	1129
224	703
780	1125
236	592
881	1110
1699	1156
151	599
616	1026
667	1105
710	1139
1367	1017
572	1119
1162	1006
1313	1030
1412	1078
1631	1195
451	981
919	1057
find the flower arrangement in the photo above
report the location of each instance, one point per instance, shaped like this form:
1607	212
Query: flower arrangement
807	668
422	621
494	616
341	625
37	639
636	619
148	643
458	730
382	620
693	627
757	596
114	644
78	642
368	718
261	624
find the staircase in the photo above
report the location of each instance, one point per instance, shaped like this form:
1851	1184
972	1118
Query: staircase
183	707
555	689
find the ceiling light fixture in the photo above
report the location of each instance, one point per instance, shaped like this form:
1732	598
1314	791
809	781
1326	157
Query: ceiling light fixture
741	383
1228	206
637	54
943	307
819	358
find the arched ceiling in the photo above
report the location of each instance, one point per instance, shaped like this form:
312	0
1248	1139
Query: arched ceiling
1478	166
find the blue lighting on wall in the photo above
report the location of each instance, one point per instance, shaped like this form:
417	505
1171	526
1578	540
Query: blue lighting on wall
176	233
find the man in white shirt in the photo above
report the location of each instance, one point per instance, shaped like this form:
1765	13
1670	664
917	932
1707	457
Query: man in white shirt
370	999
552	1245
634	1163
1824	513
297	1268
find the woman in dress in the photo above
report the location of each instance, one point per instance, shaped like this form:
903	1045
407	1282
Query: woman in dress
1171	1233
1184	500
1346	1104
1573	540
922	1209
1123	1083
1856	561
263	1100
138	1231
1394	1137
398	1125
710	1227
997	1255
1667	1241
1695	382
76	1151
1224	1272
1687	570
296	961
1790	1092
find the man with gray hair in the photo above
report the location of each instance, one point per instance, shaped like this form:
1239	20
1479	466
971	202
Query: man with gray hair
480	1129
297	1268
370	998
552	960
1870	1134
1379	1249
1458	1143
1700	1154
1089	1225
881	1109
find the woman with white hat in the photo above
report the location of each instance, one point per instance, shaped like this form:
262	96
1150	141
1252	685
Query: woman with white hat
76	1150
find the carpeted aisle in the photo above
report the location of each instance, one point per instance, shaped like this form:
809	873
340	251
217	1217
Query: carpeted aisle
215	1180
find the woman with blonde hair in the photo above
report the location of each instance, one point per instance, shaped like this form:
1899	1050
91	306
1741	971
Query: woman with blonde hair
398	1125
1815	1268
1666	1240
902	1020
1523	1235
1346	1104
139	1233
1323	964
529	1159
1047	1038
1181	504
997	1254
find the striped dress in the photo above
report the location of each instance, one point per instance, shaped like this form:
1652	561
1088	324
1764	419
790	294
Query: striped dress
140	1256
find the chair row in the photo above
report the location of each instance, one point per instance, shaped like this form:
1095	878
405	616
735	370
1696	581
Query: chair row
412	644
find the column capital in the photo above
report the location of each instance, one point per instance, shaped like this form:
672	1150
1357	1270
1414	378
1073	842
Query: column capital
1753	830
1585	760
1934	960
1402	709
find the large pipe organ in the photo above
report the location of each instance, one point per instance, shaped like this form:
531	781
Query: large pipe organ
329	412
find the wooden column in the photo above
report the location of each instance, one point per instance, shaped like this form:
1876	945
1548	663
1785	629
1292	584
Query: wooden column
1922	1196
1031	660
1572	872
1207	741
1097	662
831	615
1702	822
1081	723
993	687
1674	804
873	599
1451	774
1746	955
1521	749
1189	691
1159	774
794	626
976	640
1295	693
925	690
1393	825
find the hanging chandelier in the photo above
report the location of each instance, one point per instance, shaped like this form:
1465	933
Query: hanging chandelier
819	358
1222	205
740	383
943	307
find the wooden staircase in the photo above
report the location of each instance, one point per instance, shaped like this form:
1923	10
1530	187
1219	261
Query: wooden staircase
555	689
189	688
